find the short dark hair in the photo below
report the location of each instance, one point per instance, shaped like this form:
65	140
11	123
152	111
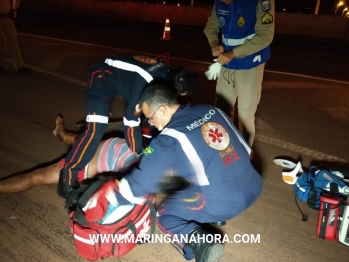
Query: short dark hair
158	95
183	79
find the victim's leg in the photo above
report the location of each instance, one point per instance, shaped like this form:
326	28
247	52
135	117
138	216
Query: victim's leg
42	176
45	176
68	137
123	157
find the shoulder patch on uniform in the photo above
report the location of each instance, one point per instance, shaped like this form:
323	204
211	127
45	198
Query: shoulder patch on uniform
148	151
221	22
215	135
223	12
267	19
266	6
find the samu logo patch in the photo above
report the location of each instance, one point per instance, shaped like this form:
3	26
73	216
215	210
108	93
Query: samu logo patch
215	135
148	151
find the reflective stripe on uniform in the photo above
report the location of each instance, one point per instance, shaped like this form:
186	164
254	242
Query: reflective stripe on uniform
242	141
97	119
129	67
236	42
126	192
191	154
131	123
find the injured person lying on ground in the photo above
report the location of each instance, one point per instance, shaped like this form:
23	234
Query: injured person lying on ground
117	147
196	142
123	159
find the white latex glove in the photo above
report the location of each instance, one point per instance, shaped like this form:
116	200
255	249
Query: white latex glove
213	71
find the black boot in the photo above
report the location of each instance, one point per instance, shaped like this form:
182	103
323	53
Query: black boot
204	249
219	224
63	190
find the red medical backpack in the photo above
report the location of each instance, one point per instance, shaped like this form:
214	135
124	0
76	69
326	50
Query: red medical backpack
94	240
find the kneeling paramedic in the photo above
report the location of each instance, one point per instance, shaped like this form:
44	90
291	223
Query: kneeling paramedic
199	144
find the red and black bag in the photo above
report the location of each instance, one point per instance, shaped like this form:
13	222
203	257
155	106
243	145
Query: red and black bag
328	218
94	239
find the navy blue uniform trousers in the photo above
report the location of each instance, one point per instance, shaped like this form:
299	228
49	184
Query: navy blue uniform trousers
98	99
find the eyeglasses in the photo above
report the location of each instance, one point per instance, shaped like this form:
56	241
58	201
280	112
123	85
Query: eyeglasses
152	115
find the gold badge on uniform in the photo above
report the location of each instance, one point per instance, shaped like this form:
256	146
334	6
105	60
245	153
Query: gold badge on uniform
241	21
267	19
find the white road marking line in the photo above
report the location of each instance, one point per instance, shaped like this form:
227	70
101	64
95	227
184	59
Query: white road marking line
182	59
67	78
306	76
89	44
299	149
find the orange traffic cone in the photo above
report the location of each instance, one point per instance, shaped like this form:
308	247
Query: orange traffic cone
167	30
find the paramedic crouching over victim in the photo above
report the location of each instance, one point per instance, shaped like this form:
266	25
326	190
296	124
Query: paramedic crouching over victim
125	76
200	144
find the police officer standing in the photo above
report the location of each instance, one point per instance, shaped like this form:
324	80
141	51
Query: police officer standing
247	31
8	36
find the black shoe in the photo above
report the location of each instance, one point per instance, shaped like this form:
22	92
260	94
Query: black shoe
203	248
72	199
219	224
63	190
24	71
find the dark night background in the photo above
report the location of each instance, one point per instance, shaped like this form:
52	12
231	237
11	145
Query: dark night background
327	7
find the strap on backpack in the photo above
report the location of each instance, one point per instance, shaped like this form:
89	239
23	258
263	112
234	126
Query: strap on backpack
88	191
131	225
313	195
313	198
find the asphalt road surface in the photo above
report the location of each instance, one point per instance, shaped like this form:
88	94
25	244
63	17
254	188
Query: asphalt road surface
303	115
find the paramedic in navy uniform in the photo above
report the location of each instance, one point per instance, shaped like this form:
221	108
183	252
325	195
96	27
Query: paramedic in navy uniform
200	144
122	75
247	28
